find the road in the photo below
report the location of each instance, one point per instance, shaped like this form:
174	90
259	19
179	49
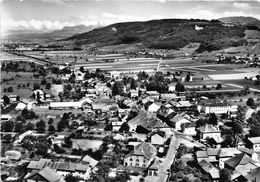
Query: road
239	86
166	165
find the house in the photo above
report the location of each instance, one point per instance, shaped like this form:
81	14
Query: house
40	93
225	154
154	168
6	117
177	121
189	129
133	93
215	106
116	123
164	112
168	96
81	104
141	156
20	106
238	160
240	165
62	168
251	153
210	131
157	137
90	161
13	98
209	155
144	123
254	175
208	168
44	175
13	155
254	143
154	107
153	94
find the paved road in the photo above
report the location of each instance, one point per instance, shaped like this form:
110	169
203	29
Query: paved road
166	165
239	86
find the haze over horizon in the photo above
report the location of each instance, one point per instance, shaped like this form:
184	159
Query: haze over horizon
48	15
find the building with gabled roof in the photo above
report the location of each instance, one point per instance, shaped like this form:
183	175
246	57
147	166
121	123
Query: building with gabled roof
141	156
254	143
157	137
210	169
45	174
240	159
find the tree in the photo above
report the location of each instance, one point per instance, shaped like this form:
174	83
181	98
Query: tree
228	141
42	148
6	100
179	87
108	127
19	127
237	128
219	86
254	124
72	78
81	69
28	114
187	79
224	175
50	121
250	102
7	126
200	122
213	119
36	86
43	82
10	89
133	84
67	141
124	127
70	178
48	86
29	126
40	126
51	129
115	89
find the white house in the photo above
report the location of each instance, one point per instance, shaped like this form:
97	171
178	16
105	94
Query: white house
216	106
157	137
255	143
210	131
154	107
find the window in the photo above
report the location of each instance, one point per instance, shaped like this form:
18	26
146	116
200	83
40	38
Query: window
143	165
155	173
131	159
131	164
137	165
126	164
137	160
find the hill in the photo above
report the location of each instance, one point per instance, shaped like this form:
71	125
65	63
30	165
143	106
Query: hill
29	35
165	34
241	20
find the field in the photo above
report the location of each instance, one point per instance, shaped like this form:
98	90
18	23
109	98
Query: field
23	79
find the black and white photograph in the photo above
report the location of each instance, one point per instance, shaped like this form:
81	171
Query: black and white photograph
130	90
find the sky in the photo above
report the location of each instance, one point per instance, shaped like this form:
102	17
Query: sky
50	15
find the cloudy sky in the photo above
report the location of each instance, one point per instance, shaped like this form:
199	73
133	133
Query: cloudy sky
55	14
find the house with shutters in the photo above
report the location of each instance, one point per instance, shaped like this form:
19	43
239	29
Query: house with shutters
141	156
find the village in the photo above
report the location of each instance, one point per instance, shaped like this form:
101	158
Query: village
68	122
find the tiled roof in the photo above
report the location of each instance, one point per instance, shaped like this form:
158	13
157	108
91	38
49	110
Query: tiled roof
240	159
209	168
254	175
48	174
227	152
144	149
254	140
